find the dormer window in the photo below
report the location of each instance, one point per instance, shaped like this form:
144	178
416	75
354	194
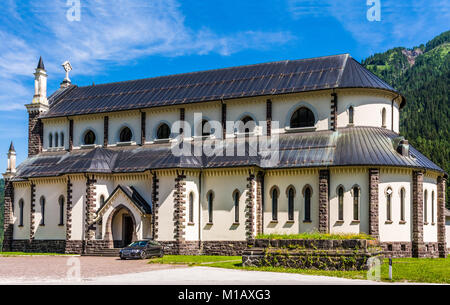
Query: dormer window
89	138
125	135
163	132
303	117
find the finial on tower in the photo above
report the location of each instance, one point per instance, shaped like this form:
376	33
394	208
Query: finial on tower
40	85
67	67
41	64
11	168
11	147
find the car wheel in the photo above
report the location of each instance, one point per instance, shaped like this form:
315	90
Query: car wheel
143	255
122	258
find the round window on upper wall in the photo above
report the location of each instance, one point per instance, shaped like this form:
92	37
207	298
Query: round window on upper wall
163	132
302	117
89	138
125	135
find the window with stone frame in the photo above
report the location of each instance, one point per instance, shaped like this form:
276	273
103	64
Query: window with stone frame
389	204
191	207
302	117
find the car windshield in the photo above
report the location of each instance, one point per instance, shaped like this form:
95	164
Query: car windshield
138	244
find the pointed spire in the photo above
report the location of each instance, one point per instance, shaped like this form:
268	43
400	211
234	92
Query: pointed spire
11	147
41	64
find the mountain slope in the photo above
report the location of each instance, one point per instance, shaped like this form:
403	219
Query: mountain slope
422	74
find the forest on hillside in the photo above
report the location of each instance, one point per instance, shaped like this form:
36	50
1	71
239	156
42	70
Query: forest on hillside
422	75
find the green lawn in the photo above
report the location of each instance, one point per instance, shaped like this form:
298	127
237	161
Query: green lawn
30	254
404	269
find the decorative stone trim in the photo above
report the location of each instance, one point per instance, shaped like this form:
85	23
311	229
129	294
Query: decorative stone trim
32	209
105	131
259	203
90	207
70	135
155	205
324	183
143	126
442	244
418	247
69	210
269	117
334	116
179	213
35	133
250	206
8	221
374	182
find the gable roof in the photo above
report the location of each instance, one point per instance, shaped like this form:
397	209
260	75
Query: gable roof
134	197
290	76
354	146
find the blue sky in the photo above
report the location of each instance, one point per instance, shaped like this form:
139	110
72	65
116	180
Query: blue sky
129	39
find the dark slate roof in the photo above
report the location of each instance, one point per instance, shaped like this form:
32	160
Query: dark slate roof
134	196
355	146
290	76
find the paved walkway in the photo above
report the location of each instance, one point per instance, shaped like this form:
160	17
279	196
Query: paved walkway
106	270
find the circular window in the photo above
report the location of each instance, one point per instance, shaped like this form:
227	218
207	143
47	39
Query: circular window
303	117
89	138
163	131
126	135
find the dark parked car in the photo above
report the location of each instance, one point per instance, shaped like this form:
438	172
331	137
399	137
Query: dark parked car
142	249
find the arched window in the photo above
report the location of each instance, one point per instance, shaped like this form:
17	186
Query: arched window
236	197
56	139
350	115
425	206
191	207
210	207
307	195
62	139
102	200
21	212
61	210
340	203
402	204
302	117
125	135
356	196
389	204
42	201
432	207
50	140
248	125
291	195
89	138
275	204
163	132
206	128
383	118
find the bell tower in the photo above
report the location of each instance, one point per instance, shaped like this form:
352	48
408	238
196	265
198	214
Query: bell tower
38	106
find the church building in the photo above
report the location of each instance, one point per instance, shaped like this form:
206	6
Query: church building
204	162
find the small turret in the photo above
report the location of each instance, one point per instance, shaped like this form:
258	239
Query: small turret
11	169
40	84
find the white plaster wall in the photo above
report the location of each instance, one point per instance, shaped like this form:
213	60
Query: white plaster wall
430	227
120	120
78	207
447	230
209	111
299	181
56	126
142	184
395	231
105	187
223	227
155	117
367	109
166	207
82	124
240	108
51	230
23	193
348	179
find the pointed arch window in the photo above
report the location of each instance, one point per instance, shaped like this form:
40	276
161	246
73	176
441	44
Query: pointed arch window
432	207
291	195
307	196
210	207
425	207
89	138
302	117
402	204
274	204
389	204
42	202
163	132
191	207
356	196
125	135
61	210
236	197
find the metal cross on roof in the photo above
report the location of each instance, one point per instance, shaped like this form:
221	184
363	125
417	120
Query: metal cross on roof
67	67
